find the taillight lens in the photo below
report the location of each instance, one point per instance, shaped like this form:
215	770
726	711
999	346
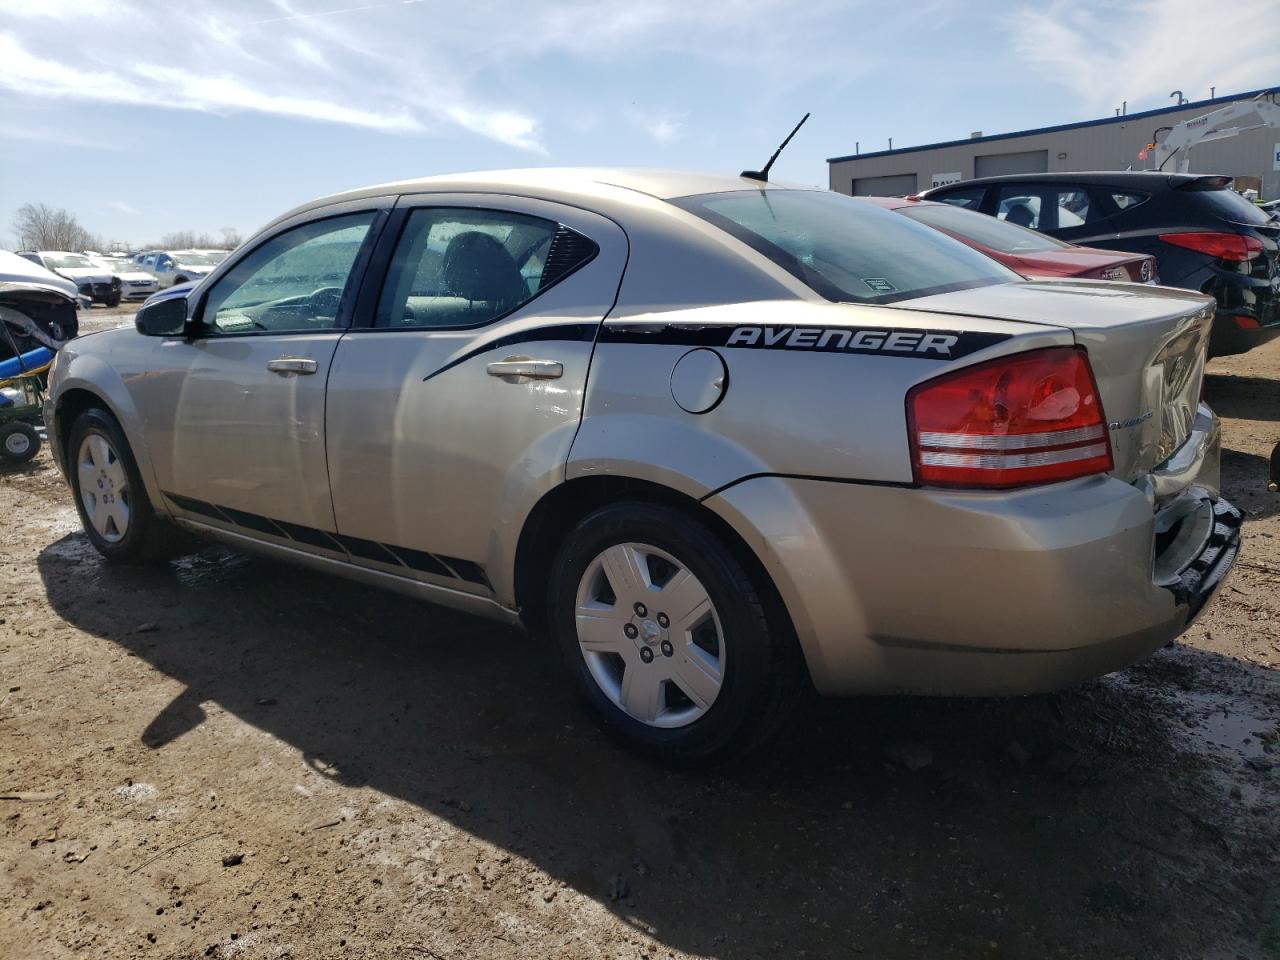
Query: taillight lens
1033	417
1224	246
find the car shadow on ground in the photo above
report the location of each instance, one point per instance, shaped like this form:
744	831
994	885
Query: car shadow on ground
1245	476
1073	824
1244	397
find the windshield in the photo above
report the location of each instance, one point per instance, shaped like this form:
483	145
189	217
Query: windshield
998	235
120	266
845	249
69	261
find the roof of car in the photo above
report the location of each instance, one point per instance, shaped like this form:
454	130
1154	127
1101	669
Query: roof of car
1143	179
561	183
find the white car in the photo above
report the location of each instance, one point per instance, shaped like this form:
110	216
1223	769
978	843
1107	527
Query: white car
135	283
171	267
22	270
91	278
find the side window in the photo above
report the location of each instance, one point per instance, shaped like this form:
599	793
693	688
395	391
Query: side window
460	267
1074	208
1124	201
970	197
295	282
1020	205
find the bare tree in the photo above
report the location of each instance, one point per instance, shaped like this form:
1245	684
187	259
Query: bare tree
41	227
188	240
231	238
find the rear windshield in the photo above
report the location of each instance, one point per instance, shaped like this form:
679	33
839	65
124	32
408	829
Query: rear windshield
998	235
845	249
1229	205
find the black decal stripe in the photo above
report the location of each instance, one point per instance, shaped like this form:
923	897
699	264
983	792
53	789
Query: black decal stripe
366	549
310	536
577	332
197	506
466	570
814	339
421	560
243	518
451	568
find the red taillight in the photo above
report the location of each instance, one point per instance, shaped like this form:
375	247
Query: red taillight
1224	246
1033	417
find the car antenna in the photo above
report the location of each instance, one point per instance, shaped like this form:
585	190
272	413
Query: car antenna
763	175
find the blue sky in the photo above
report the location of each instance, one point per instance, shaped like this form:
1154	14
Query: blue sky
149	116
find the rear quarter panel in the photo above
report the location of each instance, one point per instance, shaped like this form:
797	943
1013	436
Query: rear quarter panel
787	409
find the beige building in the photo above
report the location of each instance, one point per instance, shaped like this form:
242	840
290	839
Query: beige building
1112	143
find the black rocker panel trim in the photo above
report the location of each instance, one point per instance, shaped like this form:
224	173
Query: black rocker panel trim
358	548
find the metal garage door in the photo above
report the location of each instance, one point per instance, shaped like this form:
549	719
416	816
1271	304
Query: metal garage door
898	185
1000	164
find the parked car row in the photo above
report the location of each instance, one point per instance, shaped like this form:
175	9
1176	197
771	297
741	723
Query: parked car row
1202	234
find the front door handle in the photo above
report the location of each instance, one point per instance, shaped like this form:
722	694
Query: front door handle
526	367
287	366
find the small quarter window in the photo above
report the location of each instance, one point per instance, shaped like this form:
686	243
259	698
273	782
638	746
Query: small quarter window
460	267
1126	200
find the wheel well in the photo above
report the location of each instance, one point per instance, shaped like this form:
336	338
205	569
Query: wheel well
70	405
557	512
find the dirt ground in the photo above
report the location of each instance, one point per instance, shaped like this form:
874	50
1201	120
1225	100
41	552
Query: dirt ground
239	758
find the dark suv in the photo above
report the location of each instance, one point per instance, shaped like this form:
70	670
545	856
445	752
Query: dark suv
1203	235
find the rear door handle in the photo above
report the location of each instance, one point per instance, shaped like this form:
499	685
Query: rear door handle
286	366
526	367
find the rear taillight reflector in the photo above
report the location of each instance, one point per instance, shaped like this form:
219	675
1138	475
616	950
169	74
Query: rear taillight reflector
1225	246
1033	417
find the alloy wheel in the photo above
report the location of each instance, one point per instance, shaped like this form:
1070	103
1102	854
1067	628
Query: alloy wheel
104	487
650	635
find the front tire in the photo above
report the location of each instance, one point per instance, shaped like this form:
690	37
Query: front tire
666	636
114	510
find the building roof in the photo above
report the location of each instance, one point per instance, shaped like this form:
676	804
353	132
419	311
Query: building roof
1125	118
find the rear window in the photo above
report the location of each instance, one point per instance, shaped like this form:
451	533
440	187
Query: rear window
844	249
998	235
1229	205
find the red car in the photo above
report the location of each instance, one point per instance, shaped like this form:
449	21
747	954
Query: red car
1026	251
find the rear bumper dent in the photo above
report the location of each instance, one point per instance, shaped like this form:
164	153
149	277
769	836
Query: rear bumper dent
899	590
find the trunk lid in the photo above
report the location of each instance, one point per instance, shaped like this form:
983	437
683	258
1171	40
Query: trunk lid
1147	347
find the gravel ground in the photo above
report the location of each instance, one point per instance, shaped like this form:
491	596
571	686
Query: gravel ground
229	757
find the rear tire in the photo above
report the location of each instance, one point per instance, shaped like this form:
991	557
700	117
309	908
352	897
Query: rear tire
19	442
112	502
666	637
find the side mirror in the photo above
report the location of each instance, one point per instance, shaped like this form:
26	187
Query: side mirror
165	318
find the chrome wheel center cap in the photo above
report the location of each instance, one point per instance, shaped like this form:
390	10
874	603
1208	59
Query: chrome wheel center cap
650	631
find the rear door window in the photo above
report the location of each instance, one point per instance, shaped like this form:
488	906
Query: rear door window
459	267
1020	205
1074	208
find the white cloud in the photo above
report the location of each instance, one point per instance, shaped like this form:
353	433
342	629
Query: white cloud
123	207
405	66
1140	50
662	128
